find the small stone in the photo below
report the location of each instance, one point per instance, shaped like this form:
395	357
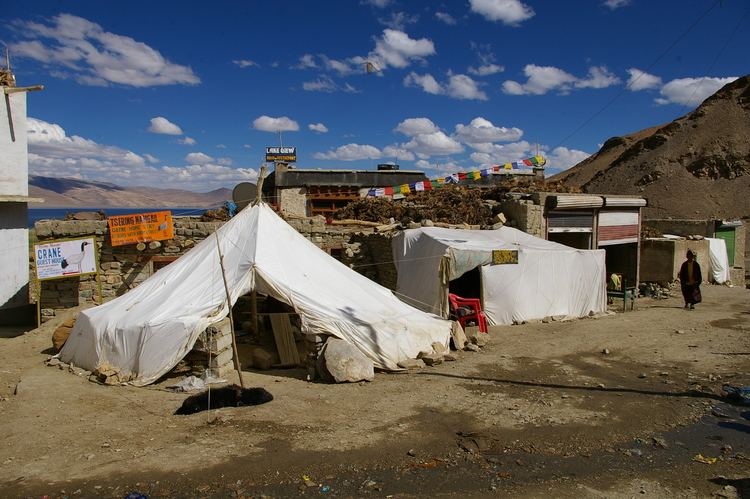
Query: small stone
411	364
431	359
450	357
411	452
471	347
605	351
679	331
439	348
154	245
642	375
600	385
660	442
53	361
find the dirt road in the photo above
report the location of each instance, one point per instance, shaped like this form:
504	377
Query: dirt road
541	410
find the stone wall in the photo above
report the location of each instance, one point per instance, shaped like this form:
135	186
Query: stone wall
124	267
293	201
525	215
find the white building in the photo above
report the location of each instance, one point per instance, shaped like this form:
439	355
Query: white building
14	196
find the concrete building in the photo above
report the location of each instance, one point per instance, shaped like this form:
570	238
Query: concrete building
14	196
584	221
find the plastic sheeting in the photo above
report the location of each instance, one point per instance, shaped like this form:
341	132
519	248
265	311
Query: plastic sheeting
145	332
718	260
549	279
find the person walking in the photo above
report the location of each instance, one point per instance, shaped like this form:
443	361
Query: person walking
690	280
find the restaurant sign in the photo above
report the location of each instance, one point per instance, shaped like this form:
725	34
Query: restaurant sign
282	154
140	228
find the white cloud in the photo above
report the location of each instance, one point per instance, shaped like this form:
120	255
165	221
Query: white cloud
221	146
76	48
598	77
395	48
186	141
198	158
247	146
543	79
486	69
380	4
640	80
163	126
326	84
615	4
423	164
509	12
399	20
562	158
433	144
318	127
481	130
446	18
245	63
397	152
52	153
306	61
224	161
281	124
416	126
350	152
691	91
464	87
427	82
458	86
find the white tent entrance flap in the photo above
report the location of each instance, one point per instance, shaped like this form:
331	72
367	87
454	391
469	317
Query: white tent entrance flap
549	278
145	332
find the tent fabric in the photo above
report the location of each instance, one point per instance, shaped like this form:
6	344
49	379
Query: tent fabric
147	331
718	260
549	278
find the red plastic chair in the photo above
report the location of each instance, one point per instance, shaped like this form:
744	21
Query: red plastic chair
471	311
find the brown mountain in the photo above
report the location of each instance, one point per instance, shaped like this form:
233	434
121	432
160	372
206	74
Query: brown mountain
697	166
75	193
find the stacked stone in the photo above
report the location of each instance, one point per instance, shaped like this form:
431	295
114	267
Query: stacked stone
213	350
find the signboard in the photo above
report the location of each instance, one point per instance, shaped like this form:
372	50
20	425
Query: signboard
504	257
65	258
284	154
140	228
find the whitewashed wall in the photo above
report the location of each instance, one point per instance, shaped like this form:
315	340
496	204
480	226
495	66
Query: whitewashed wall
14	164
14	248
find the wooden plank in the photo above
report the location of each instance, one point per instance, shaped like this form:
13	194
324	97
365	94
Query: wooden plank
285	344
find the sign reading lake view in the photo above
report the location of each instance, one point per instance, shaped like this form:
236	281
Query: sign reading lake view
140	228
71	257
285	154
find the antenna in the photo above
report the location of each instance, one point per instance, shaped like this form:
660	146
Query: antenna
281	144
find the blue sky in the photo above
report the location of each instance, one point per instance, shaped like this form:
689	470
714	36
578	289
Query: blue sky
188	94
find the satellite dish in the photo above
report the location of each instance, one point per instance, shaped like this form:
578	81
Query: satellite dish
243	194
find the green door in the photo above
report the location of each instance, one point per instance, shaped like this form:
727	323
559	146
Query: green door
727	235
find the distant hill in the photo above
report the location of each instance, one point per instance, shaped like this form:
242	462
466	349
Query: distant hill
697	166
75	193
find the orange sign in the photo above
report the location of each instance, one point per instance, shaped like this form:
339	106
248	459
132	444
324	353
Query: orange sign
140	228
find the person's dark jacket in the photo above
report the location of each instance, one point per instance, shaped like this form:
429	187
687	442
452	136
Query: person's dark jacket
696	273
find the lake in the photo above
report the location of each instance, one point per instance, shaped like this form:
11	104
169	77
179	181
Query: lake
59	213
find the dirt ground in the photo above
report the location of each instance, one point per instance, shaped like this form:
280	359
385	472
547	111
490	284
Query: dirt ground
617	406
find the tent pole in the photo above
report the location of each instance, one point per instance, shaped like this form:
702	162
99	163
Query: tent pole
254	310
231	317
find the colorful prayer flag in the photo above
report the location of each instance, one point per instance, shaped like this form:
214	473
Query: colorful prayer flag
419	186
404	189
389	191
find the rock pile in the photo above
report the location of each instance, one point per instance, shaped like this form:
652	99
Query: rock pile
213	350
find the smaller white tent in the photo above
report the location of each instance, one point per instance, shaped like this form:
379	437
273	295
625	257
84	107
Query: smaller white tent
718	261
145	332
549	279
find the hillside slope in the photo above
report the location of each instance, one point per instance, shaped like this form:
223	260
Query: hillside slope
697	166
71	193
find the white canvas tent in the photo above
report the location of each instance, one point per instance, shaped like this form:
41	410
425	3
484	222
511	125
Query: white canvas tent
147	331
549	279
718	261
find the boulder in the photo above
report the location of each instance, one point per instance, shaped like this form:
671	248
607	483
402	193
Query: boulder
458	337
440	349
343	362
475	337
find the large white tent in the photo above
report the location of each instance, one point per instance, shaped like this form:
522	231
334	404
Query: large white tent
147	331
550	279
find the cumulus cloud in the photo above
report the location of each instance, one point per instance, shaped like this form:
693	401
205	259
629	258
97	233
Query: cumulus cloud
399	20
427	82
350	152
198	158
486	69
397	152
162	125
73	47
318	127
482	131
446	18
244	63
433	144
640	80
416	126
691	91
396	49
562	158
186	141
53	153
326	84
543	79
458	86
281	124
615	4
509	12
